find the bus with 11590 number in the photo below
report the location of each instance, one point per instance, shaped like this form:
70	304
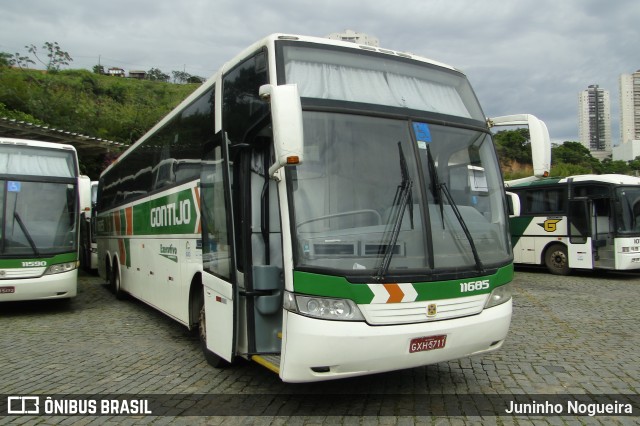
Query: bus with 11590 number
38	220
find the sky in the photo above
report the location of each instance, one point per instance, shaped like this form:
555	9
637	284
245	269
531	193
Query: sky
521	56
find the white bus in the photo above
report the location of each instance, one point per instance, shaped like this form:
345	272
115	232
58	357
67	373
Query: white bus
581	222
38	220
381	245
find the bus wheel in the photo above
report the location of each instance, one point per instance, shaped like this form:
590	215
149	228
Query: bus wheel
213	359
556	260
115	283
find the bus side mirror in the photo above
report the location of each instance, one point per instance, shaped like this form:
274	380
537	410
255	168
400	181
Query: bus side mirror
286	117
513	204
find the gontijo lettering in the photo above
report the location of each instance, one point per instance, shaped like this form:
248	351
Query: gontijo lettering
171	214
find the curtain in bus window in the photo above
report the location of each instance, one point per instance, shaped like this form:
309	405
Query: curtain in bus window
339	82
416	93
26	164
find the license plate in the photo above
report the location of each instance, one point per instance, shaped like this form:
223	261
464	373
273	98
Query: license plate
4	290
429	343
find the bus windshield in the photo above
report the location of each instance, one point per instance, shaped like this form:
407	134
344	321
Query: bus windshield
628	209
37	201
346	198
38	218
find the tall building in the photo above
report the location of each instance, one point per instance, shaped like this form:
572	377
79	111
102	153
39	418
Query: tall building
630	107
355	37
594	117
629	147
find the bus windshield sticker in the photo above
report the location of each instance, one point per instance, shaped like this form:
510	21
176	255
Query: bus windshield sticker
422	133
13	186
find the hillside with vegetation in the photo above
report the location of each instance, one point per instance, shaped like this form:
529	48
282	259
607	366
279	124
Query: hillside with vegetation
81	101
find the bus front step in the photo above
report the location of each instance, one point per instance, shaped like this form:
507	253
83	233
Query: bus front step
272	362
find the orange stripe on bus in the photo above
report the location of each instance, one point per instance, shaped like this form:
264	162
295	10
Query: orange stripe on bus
129	216
198	202
116	221
395	293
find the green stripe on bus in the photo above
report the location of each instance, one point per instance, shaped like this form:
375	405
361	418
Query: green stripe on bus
30	262
339	287
518	226
175	213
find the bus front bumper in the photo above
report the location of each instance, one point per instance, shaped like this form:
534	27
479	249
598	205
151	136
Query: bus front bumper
315	350
57	286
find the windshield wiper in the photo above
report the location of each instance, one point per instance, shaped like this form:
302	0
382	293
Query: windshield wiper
438	188
402	198
26	234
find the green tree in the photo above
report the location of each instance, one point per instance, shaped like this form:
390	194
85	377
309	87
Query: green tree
56	56
617	166
572	158
20	61
154	74
635	164
5	59
196	80
513	145
180	76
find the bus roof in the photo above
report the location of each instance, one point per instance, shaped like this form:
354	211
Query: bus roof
31	142
613	179
270	39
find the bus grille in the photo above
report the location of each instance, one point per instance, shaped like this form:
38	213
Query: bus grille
414	312
18	273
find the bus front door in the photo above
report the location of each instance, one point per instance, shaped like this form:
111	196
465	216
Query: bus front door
580	250
263	278
218	322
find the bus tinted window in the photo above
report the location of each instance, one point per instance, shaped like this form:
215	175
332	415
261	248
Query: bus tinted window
170	156
242	106
544	201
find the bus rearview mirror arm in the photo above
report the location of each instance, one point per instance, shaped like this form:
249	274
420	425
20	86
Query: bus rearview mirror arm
286	118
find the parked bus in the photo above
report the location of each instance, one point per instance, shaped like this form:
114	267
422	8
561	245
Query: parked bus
38	220
323	208
88	245
581	222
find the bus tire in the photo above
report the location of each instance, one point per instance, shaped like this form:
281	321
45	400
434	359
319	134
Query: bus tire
556	259
212	359
116	285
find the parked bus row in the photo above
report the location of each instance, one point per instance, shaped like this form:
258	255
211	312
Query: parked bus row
325	209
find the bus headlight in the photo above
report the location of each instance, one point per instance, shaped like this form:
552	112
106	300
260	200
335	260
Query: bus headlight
60	267
323	307
499	295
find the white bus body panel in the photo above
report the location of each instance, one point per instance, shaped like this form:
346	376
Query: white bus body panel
580	255
355	348
56	286
627	260
220	325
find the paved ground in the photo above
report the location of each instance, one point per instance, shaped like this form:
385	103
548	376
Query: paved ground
569	336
